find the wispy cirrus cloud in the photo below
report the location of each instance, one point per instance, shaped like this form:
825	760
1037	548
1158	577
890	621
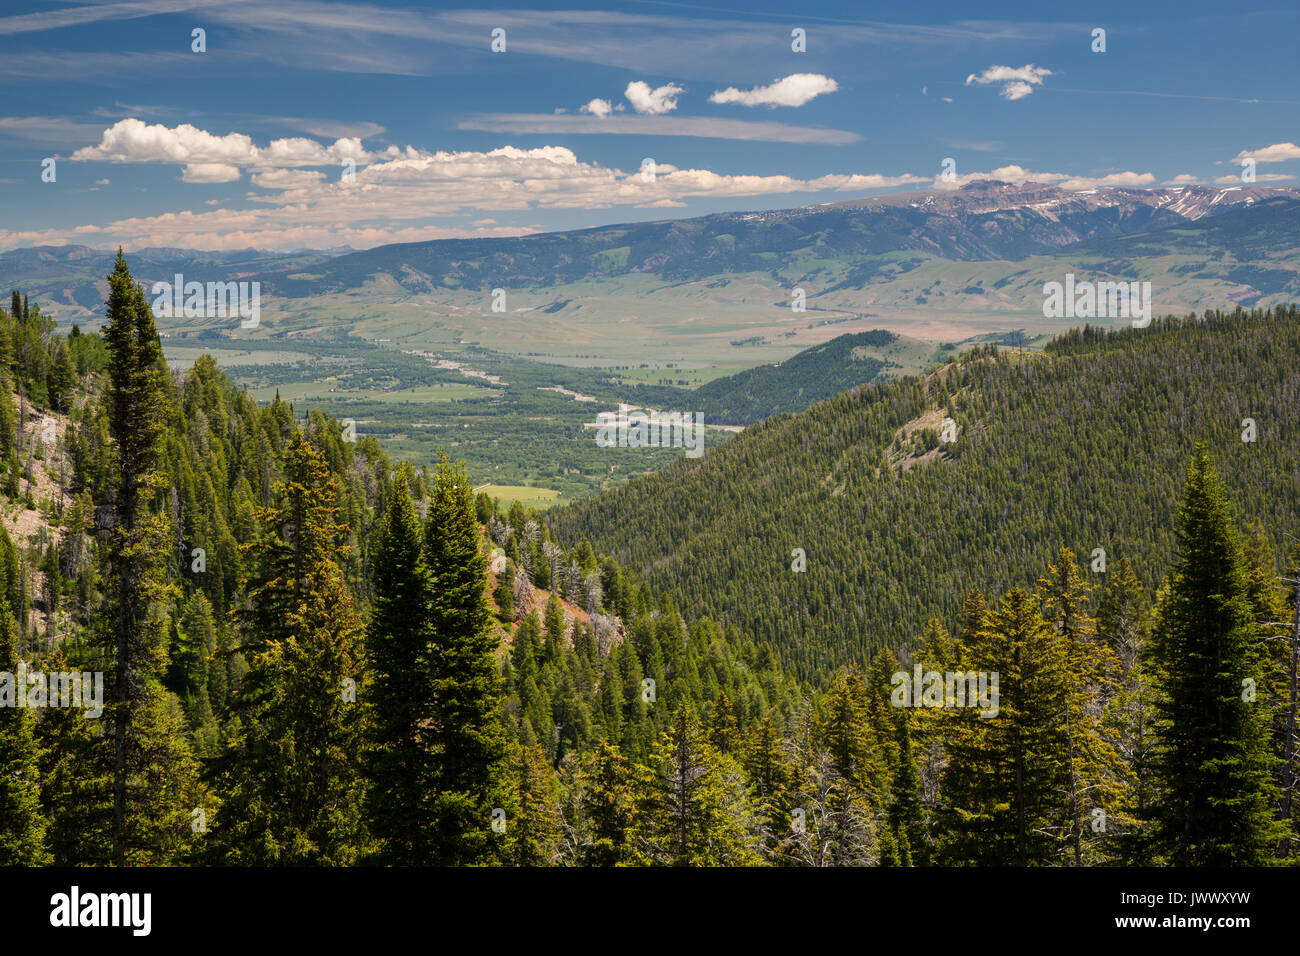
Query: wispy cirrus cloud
51	130
976	145
360	37
100	12
546	124
91	66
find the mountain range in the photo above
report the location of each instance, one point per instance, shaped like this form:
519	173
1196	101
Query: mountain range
983	247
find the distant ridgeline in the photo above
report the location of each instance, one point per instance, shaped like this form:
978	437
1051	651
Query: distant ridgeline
766	390
1084	446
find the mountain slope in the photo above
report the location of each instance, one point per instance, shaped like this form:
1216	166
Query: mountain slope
939	265
790	386
981	221
1083	446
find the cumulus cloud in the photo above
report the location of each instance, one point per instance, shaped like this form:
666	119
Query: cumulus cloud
287	178
793	90
1277	153
1018	174
1182	179
597	107
1017	81
653	102
133	141
1259	178
400	193
210	173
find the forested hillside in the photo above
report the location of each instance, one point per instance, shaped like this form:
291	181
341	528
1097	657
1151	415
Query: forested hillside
1082	446
313	655
757	393
241	578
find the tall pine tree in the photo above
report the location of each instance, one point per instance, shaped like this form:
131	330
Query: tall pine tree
398	642
291	776
1213	765
464	732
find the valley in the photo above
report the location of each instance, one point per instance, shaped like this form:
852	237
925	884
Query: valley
405	341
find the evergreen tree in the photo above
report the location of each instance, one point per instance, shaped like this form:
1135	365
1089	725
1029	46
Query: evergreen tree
61	378
847	734
1122	615
906	816
138	411
535	834
464	730
1213	765
612	800
504	594
291	777
22	823
398	643
555	628
1001	796
702	814
1097	778
77	796
770	774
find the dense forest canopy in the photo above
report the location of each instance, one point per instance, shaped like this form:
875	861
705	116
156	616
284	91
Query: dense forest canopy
1082	446
314	655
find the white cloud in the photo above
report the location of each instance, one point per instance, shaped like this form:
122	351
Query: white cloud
287	178
1018	174
793	90
401	194
1259	178
1126	178
653	102
597	107
210	173
1182	179
133	141
101	182
1277	153
1017	81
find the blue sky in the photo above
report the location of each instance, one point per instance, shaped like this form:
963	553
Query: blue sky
245	144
